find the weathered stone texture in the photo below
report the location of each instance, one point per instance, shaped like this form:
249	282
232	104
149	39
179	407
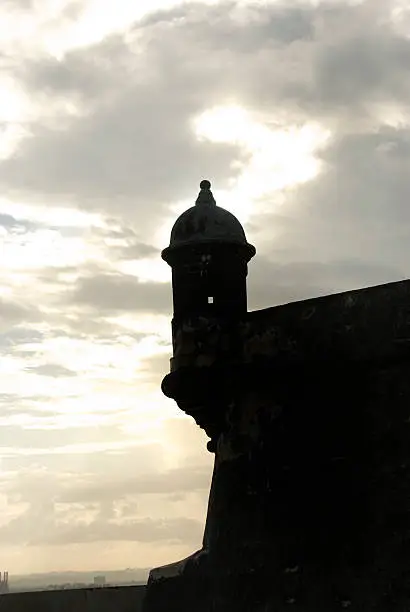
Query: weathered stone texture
310	502
111	599
365	324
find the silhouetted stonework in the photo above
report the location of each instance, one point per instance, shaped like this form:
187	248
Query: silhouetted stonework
309	416
110	599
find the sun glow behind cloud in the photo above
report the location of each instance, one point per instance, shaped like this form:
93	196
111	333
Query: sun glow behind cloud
280	157
153	269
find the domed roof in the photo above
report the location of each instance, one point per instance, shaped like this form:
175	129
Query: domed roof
206	222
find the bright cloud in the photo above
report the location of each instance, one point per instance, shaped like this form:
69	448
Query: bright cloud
280	157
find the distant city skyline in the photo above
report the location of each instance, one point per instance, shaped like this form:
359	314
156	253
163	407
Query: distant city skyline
73	579
4	583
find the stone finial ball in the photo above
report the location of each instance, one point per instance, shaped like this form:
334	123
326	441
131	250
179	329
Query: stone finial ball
205	184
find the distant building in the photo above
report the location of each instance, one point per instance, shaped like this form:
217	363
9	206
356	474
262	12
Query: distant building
99	581
4	583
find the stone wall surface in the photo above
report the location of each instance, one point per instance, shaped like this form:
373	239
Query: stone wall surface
110	599
365	324
309	507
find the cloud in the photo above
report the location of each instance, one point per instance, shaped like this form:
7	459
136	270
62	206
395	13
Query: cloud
20	4
172	531
93	506
156	367
46	437
17	226
137	250
170	482
7	221
132	142
12	312
49	532
50	369
124	242
28	406
82	498
116	292
19	335
273	282
353	221
365	66
134	146
42	466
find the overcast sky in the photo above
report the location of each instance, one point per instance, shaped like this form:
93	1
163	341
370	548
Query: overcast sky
110	115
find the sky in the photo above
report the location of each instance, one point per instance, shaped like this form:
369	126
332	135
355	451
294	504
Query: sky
299	114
